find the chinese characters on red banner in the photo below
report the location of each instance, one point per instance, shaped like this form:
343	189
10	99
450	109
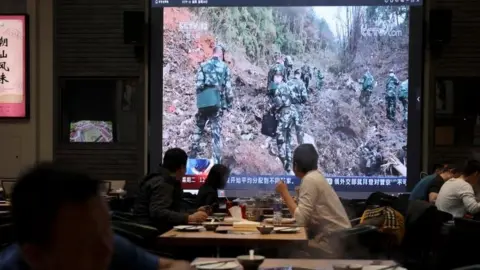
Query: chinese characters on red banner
12	66
3	60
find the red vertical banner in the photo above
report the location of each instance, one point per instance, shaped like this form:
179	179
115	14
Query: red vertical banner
13	66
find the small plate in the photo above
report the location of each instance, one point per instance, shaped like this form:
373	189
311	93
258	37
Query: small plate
286	230
217	265
222	230
284	220
231	220
188	228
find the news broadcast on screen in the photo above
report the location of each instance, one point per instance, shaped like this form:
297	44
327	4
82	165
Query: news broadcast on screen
352	72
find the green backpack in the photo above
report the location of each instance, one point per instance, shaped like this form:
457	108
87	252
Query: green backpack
209	97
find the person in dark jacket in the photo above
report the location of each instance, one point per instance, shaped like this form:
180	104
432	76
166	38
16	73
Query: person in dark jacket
159	201
216	179
61	221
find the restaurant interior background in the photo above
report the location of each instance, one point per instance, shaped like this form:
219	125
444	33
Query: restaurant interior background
80	44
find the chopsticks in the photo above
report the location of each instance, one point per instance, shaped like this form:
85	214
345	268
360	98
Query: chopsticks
212	262
390	267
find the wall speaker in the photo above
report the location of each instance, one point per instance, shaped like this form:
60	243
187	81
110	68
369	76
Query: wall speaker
133	27
440	27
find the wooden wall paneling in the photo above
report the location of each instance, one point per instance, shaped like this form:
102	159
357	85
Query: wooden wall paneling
460	58
89	43
13	6
90	38
102	161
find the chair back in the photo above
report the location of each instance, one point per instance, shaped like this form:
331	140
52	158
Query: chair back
106	187
458	251
7	186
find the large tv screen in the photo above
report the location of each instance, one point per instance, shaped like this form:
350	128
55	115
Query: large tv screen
244	85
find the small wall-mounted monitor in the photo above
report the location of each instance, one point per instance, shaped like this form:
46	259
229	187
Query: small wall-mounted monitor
86	131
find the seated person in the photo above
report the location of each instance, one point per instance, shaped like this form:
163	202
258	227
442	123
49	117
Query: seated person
457	196
420	191
62	223
159	200
431	187
319	208
208	192
449	172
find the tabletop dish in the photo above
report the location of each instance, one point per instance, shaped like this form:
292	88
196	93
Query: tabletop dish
188	228
284	220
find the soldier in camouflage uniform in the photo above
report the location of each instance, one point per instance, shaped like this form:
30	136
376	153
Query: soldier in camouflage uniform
319	79
285	113
391	95
277	67
367	86
299	99
306	75
272	87
288	67
403	97
212	74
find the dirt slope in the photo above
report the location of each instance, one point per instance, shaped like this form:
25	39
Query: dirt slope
333	117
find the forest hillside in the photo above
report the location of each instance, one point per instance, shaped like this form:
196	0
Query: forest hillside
351	140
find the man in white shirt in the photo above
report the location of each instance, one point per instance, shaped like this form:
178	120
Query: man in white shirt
319	208
457	196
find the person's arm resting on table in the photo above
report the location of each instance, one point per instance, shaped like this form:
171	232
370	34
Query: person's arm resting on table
160	201
469	200
128	256
434	189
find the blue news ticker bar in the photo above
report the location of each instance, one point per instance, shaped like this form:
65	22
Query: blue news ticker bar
282	3
339	183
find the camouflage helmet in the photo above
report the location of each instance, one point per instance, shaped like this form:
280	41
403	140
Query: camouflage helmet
278	71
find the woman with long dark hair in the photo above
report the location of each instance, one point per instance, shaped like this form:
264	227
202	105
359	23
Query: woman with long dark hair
216	179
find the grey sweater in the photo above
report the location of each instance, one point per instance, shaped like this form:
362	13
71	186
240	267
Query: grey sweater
457	198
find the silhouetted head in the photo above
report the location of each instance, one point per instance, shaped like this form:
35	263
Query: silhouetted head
471	172
278	76
449	171
175	161
60	219
297	73
305	159
219	51
218	176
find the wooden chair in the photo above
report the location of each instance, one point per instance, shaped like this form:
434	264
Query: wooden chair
7	186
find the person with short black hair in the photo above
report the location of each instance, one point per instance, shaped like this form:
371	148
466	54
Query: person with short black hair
457	196
319	208
446	173
208	193
62	222
428	187
159	200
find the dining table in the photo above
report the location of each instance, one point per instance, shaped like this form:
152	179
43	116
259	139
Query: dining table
233	238
271	263
5	205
